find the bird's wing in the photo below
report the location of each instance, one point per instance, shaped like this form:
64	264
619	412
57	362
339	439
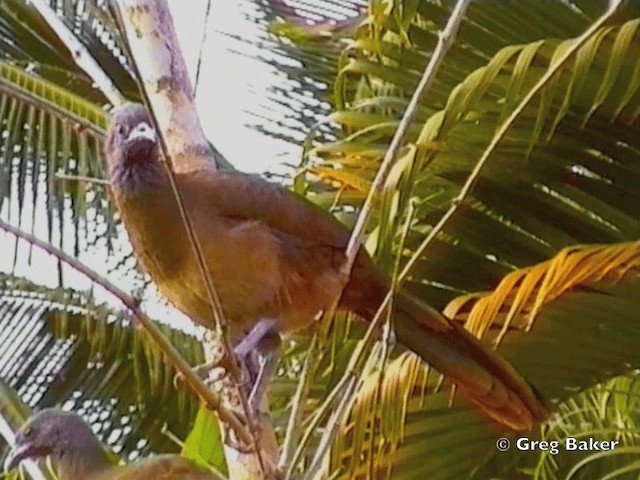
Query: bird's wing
162	467
239	196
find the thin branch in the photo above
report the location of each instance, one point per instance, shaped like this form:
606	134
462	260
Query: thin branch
79	52
203	41
315	470
445	40
153	44
211	398
388	338
80	178
318	416
165	84
502	131
293	426
344	389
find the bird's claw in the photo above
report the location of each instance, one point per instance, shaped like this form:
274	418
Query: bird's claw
254	426
232	442
202	371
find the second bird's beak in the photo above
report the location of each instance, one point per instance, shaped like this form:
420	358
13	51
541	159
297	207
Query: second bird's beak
21	452
142	131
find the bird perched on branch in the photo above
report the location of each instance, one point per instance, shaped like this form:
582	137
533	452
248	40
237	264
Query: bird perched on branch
275	261
76	453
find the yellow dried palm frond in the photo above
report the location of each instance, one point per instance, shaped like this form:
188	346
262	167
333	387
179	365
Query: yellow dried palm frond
377	426
520	296
341	178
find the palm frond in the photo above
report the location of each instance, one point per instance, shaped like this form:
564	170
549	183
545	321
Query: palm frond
50	130
397	418
565	166
64	349
523	293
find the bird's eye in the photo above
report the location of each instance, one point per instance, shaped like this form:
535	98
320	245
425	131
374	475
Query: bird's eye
121	130
27	431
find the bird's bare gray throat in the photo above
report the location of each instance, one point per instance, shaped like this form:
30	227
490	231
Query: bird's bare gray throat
140	169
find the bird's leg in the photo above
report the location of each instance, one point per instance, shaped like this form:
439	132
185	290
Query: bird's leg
202	371
258	354
205	371
254	340
267	367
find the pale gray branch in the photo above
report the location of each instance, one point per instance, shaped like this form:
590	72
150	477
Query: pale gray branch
165	79
153	43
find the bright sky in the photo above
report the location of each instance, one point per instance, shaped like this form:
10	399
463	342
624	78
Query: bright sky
233	82
233	86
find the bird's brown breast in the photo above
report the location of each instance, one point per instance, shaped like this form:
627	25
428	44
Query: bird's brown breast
246	259
162	467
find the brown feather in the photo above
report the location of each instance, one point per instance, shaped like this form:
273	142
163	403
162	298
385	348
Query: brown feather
275	255
76	453
162	467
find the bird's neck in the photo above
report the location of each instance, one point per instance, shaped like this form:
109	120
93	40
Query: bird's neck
137	177
82	462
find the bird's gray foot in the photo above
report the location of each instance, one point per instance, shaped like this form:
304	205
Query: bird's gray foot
258	355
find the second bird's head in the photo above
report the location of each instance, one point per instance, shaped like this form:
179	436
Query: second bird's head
131	145
50	432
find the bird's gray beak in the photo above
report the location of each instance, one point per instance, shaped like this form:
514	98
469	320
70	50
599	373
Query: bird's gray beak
142	131
22	452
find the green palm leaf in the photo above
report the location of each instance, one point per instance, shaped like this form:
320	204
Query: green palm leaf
61	348
399	427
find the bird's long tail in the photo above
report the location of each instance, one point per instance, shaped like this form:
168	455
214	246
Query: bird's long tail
483	377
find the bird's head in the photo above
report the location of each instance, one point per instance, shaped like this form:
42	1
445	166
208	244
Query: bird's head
131	137
131	150
52	433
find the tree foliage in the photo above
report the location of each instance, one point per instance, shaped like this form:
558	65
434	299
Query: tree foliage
511	262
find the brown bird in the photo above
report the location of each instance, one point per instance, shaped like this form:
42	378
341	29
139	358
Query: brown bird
275	260
76	453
